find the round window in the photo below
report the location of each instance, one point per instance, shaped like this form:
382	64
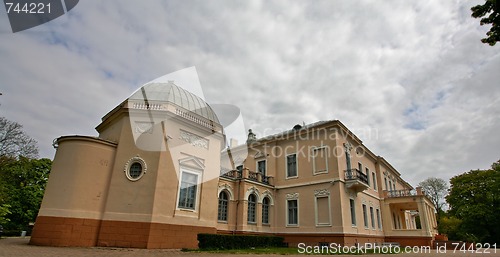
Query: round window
135	168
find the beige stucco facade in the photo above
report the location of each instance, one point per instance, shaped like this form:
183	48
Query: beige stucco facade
336	200
158	174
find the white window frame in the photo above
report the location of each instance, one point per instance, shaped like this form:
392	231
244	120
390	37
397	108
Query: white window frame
287	211
368	173
365	216
268	210
226	213
316	211
352	212
372	217
198	185
296	166
255	213
325	149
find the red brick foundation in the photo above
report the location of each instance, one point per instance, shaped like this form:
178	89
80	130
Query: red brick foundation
411	240
59	231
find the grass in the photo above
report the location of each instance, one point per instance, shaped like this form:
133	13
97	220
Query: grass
277	250
272	250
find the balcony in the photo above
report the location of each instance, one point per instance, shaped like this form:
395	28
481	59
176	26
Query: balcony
249	175
405	193
356	180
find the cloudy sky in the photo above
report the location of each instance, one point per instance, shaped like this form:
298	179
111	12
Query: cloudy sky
410	78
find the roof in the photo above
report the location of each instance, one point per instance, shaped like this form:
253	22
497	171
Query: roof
170	92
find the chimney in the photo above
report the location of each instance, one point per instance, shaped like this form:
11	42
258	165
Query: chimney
233	143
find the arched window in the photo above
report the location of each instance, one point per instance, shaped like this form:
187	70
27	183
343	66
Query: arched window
252	202
265	210
223	203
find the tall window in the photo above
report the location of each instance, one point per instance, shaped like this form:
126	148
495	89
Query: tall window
372	217
320	160
374	179
379	222
386	186
368	176
365	216
291	165
252	202
353	212
360	167
261	167
322	211
223	203
265	210
188	190
293	212
239	168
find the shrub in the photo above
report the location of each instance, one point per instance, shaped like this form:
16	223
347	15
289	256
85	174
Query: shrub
216	241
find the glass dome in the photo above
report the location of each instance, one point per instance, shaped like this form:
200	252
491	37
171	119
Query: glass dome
169	92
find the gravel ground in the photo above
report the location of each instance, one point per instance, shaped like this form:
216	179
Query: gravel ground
14	247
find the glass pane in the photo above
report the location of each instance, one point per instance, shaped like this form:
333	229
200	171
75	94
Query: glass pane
135	170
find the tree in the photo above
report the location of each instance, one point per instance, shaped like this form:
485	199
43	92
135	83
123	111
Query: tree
14	142
4	211
474	199
490	14
22	185
436	189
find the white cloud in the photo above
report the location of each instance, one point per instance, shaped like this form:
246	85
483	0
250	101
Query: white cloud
413	72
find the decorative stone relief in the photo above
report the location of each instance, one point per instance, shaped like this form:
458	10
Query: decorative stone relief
292	196
144	127
193	139
321	192
259	155
225	186
348	147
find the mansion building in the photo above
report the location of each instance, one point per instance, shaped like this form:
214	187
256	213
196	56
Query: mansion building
159	173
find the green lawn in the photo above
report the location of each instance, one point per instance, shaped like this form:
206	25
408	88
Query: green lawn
278	250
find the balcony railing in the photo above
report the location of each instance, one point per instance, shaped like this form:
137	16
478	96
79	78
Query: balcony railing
401	193
250	175
233	174
355	174
405	192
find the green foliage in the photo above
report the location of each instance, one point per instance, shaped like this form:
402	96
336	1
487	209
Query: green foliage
474	199
449	225
489	12
216	241
4	211
22	185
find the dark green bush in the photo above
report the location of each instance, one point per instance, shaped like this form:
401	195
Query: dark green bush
216	241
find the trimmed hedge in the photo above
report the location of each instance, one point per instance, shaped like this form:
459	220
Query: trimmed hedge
217	241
